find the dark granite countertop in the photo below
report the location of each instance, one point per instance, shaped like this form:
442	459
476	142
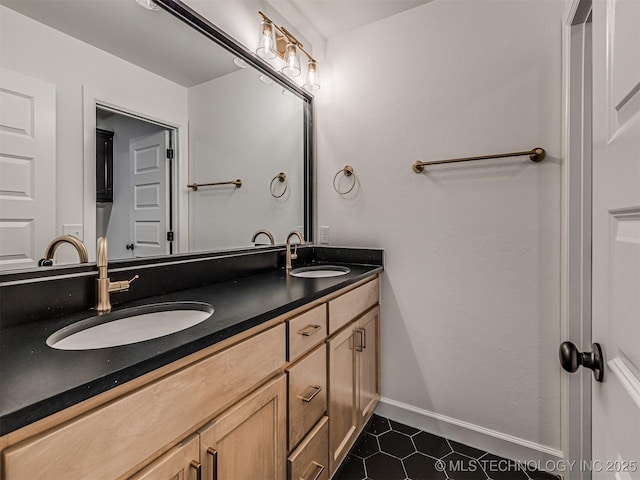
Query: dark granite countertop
37	380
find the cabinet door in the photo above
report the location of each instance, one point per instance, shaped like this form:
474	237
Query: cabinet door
179	463
249	440
368	363
343	418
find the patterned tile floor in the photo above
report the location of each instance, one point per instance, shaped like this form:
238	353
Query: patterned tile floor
391	450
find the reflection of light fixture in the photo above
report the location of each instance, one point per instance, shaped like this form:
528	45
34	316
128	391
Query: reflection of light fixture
284	45
148	4
267	47
240	62
263	78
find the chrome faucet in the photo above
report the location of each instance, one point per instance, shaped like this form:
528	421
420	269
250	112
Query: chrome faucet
292	256
105	286
264	232
50	251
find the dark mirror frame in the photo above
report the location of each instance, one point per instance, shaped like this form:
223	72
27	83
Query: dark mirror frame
198	22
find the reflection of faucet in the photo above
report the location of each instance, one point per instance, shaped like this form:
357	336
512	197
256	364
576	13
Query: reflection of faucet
47	261
105	285
294	255
264	232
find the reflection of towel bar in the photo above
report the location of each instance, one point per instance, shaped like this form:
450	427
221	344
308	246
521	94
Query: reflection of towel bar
195	186
535	155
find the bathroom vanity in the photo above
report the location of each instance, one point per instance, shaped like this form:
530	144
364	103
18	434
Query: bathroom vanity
277	383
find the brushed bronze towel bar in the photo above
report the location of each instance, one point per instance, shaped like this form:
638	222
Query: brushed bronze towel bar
535	155
195	186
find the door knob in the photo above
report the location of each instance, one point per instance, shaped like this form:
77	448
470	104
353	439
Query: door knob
571	359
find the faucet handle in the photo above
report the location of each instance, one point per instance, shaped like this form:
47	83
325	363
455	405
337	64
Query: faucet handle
121	286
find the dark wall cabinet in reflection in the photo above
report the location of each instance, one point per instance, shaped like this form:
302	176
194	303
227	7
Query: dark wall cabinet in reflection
104	165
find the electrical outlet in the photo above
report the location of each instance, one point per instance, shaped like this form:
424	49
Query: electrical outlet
324	234
76	230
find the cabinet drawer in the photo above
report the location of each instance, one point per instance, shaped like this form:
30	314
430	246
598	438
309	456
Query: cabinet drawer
307	394
310	459
348	306
306	331
109	441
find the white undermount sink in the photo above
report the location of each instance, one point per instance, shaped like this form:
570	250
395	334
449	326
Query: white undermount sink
319	271
130	325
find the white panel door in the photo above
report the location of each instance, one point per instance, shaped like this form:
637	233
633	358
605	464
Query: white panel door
27	168
616	237
149	195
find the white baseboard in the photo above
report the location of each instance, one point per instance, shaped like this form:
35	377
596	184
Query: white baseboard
497	443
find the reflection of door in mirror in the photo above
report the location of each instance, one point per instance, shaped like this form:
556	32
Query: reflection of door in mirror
136	218
27	168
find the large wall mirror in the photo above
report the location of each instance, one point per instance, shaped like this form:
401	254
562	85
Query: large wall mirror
111	112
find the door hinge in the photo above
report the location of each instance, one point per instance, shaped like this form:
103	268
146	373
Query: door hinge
169	236
169	153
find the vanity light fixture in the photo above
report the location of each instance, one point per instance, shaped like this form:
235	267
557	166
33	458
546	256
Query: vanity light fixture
148	4
287	47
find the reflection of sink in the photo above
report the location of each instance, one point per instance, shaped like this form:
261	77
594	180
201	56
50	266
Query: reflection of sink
130	325
319	271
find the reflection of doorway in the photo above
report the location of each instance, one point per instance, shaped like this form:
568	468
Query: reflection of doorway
137	221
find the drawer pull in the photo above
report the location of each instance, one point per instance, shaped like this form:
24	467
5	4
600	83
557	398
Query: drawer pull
214	462
198	468
315	466
362	344
310	393
309	330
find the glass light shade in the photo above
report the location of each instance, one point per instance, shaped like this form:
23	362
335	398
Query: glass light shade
311	79
267	45
291	61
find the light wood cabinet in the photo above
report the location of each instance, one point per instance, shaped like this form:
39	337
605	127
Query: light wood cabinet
248	441
180	463
307	394
343	417
354	385
310	460
368	364
233	412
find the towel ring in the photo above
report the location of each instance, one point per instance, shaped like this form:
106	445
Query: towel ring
281	177
347	171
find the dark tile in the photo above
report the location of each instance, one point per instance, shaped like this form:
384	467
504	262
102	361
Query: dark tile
498	468
431	445
382	466
366	446
460	467
421	467
351	469
401	427
396	443
466	450
377	425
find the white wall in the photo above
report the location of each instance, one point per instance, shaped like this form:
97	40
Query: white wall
470	296
35	49
252	136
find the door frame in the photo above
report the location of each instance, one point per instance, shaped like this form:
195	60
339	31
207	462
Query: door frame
135	106
576	230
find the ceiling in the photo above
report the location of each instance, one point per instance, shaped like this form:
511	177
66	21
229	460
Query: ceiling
153	40
332	17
